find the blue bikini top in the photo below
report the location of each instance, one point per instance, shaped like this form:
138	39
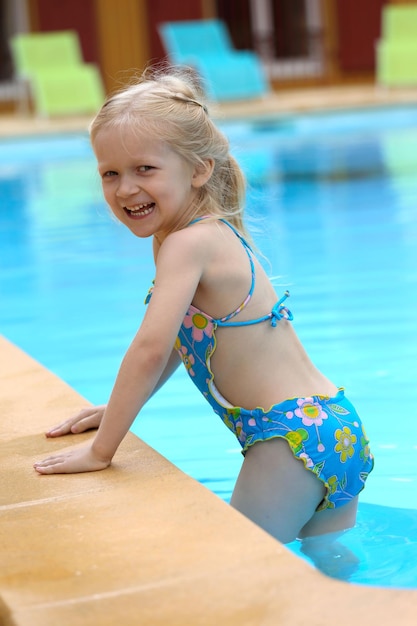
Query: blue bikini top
196	340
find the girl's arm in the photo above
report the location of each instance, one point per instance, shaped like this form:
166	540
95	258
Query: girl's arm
91	417
180	266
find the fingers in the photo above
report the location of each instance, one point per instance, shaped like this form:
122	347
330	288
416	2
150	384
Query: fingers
61	429
51	465
79	423
91	419
72	462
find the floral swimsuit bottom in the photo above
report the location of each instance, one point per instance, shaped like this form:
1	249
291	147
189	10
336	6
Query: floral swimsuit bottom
325	433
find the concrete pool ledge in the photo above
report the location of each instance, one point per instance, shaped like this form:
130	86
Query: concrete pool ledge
142	543
280	102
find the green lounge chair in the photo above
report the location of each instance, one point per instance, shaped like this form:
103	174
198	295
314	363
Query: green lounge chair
59	81
205	45
396	51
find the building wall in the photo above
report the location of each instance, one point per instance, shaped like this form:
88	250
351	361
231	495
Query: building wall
122	38
47	15
358	27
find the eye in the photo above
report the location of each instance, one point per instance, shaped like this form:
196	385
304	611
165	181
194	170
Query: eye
109	174
144	168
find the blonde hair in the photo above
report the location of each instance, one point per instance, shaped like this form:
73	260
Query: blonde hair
169	104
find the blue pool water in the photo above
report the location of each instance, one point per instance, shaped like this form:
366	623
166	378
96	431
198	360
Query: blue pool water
332	203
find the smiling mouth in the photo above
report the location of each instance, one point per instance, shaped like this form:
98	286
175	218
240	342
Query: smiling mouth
140	210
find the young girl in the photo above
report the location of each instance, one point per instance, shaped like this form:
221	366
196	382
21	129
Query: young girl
167	173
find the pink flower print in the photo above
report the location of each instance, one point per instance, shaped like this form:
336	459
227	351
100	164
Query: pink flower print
200	325
187	359
310	412
307	460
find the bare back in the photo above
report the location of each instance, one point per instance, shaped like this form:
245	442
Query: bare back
254	365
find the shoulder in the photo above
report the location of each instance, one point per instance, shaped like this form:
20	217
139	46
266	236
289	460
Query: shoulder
182	260
195	242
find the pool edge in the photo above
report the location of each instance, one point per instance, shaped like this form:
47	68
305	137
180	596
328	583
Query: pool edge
142	542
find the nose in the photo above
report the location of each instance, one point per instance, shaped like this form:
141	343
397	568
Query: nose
127	186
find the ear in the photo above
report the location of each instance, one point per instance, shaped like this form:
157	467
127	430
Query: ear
202	173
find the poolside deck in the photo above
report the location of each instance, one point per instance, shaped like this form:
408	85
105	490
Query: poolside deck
142	543
278	102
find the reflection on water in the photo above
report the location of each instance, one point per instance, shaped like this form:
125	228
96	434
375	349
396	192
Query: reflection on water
380	550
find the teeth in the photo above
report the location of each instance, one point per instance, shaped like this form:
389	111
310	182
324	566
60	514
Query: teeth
143	209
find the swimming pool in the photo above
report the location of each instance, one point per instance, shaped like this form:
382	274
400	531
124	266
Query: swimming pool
332	203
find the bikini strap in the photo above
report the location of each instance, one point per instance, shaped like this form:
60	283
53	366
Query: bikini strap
249	252
279	311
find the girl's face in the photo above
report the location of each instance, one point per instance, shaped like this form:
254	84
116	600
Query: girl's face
147	185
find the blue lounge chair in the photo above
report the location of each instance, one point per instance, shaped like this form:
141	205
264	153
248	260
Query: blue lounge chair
205	45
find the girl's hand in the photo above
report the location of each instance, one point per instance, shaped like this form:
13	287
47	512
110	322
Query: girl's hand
79	423
72	462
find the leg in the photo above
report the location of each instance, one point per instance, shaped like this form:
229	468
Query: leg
331	556
276	491
331	520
